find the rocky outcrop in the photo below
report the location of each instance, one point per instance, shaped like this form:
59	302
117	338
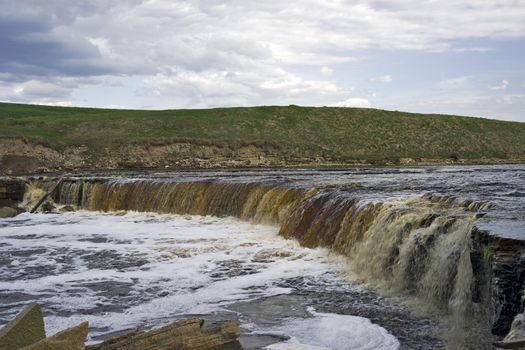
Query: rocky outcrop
26	329
8	212
70	339
27	332
186	334
508	269
515	339
11	191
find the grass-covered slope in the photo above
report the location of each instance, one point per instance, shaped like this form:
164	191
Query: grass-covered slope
336	134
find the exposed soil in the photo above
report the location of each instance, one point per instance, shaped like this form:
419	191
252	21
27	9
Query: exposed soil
21	156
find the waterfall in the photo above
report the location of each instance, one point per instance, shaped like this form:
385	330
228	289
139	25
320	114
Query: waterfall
418	247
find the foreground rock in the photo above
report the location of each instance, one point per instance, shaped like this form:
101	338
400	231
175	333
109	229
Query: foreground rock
27	332
8	212
27	328
70	339
185	334
515	339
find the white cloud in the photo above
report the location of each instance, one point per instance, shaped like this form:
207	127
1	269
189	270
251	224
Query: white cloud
46	102
51	91
354	102
103	46
34	89
502	86
455	83
382	79
141	37
247	87
18	90
205	53
326	71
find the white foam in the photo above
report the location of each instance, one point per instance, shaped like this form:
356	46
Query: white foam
332	331
182	260
189	265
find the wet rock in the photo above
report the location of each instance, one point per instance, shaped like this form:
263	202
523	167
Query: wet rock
26	329
428	220
509	279
67	208
9	212
11	191
516	337
48	207
517	330
69	339
185	334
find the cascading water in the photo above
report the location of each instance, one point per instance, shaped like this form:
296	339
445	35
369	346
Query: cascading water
414	247
420	247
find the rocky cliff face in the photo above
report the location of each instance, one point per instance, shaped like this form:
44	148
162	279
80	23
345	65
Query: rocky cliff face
508	276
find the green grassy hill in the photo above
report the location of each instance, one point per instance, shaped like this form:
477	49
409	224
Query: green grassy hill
334	134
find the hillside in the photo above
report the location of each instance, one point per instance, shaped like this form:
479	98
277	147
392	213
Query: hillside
48	138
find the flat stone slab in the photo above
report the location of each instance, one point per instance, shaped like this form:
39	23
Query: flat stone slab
27	328
184	334
70	339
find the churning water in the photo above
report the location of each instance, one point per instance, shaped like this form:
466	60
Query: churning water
274	250
130	270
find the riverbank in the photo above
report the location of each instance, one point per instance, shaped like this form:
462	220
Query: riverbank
20	156
42	138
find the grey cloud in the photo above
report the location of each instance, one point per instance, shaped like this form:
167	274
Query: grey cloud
35	91
53	37
52	13
35	39
248	87
48	90
205	52
48	57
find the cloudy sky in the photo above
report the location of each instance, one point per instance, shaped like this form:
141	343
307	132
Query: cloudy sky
456	57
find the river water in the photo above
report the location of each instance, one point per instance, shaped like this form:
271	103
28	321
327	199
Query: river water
142	270
503	186
122	270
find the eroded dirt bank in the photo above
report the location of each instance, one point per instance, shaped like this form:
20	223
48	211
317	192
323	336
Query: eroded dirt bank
21	156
